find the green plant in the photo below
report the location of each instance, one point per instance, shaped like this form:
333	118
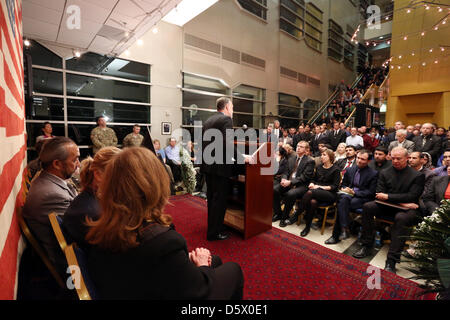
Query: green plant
431	255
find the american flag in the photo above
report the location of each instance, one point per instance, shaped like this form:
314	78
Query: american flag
12	143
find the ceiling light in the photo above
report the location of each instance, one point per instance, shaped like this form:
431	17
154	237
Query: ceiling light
27	43
409	67
422	34
413	54
186	10
77	54
127	52
405	38
155	30
440	9
424	64
408	11
435	28
140	42
435	61
400	57
442	49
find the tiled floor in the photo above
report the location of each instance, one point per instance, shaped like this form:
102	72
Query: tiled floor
315	236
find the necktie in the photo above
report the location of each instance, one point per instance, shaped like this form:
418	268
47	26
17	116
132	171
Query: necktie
349	162
295	169
356	178
424	141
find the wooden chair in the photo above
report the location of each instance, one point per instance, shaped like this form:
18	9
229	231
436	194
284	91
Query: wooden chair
55	221
326	209
38	248
76	257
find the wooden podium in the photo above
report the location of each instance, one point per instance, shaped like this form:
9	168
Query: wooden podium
249	207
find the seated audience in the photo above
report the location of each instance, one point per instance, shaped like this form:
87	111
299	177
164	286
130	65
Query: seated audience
136	252
322	148
336	136
293	185
322	189
133	139
380	161
416	160
370	140
285	139
173	159
47	132
358	187
34	166
319	137
50	192
349	160
438	190
354	139
285	153
427	161
401	141
442	171
428	142
86	203
340	152
398	185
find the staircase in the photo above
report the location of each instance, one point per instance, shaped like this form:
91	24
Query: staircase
333	96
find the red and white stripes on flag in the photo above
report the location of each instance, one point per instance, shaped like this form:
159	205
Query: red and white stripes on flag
12	143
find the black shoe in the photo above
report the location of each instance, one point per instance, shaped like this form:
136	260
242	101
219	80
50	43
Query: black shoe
293	219
220	236
344	235
362	253
276	218
305	231
390	266
316	225
284	223
331	240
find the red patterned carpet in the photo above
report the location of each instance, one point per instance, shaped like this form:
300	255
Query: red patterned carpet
278	265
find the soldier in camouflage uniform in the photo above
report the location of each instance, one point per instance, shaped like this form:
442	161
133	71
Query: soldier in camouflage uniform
133	139
103	136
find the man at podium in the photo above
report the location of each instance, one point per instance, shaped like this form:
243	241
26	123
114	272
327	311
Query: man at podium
218	171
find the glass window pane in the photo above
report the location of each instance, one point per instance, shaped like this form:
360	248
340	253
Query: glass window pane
308	113
93	87
34	130
81	133
254	8
196	100
42	56
289	99
81	110
290	29
289	123
313	43
314	11
45	81
288	112
293	6
247	106
248	92
189	116
45	108
311	104
291	17
313	32
103	65
239	120
191	81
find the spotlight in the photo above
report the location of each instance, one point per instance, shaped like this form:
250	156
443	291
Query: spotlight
405	38
431	50
422	34
155	30
408	11
424	64
140	42
77	54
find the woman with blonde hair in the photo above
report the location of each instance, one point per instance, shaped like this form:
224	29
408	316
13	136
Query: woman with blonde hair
136	252
340	152
86	203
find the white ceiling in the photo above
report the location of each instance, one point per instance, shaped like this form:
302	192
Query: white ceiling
104	23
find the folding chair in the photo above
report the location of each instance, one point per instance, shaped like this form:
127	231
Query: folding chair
56	221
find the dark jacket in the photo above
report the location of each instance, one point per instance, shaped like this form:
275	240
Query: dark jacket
386	164
432	145
402	186
74	220
435	193
224	166
304	172
158	269
367	182
341	163
340	137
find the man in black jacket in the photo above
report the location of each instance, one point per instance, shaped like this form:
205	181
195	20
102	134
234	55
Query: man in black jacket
436	192
336	136
293	185
401	186
379	161
358	187
220	170
428	142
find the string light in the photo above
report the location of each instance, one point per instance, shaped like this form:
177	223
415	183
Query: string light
405	38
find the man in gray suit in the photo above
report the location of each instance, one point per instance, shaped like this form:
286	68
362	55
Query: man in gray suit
401	141
50	192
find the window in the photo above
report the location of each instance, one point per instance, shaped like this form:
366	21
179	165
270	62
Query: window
292	17
249	106
349	56
313	26
255	7
310	107
335	41
199	97
95	85
290	110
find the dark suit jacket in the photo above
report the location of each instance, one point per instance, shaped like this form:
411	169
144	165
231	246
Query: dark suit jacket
161	251
224	167
306	136
335	140
435	193
367	182
304	172
432	146
341	163
47	194
315	143
402	186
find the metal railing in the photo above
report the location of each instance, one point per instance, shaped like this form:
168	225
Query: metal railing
323	107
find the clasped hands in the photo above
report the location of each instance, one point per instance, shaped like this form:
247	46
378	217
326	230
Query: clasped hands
314	186
348	190
285	183
384	197
201	257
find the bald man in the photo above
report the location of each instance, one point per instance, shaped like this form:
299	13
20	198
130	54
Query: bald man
428	142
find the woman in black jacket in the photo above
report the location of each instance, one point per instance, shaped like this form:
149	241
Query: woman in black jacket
136	253
323	189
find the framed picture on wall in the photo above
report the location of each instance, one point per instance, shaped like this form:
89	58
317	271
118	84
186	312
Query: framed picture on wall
368	117
166	128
